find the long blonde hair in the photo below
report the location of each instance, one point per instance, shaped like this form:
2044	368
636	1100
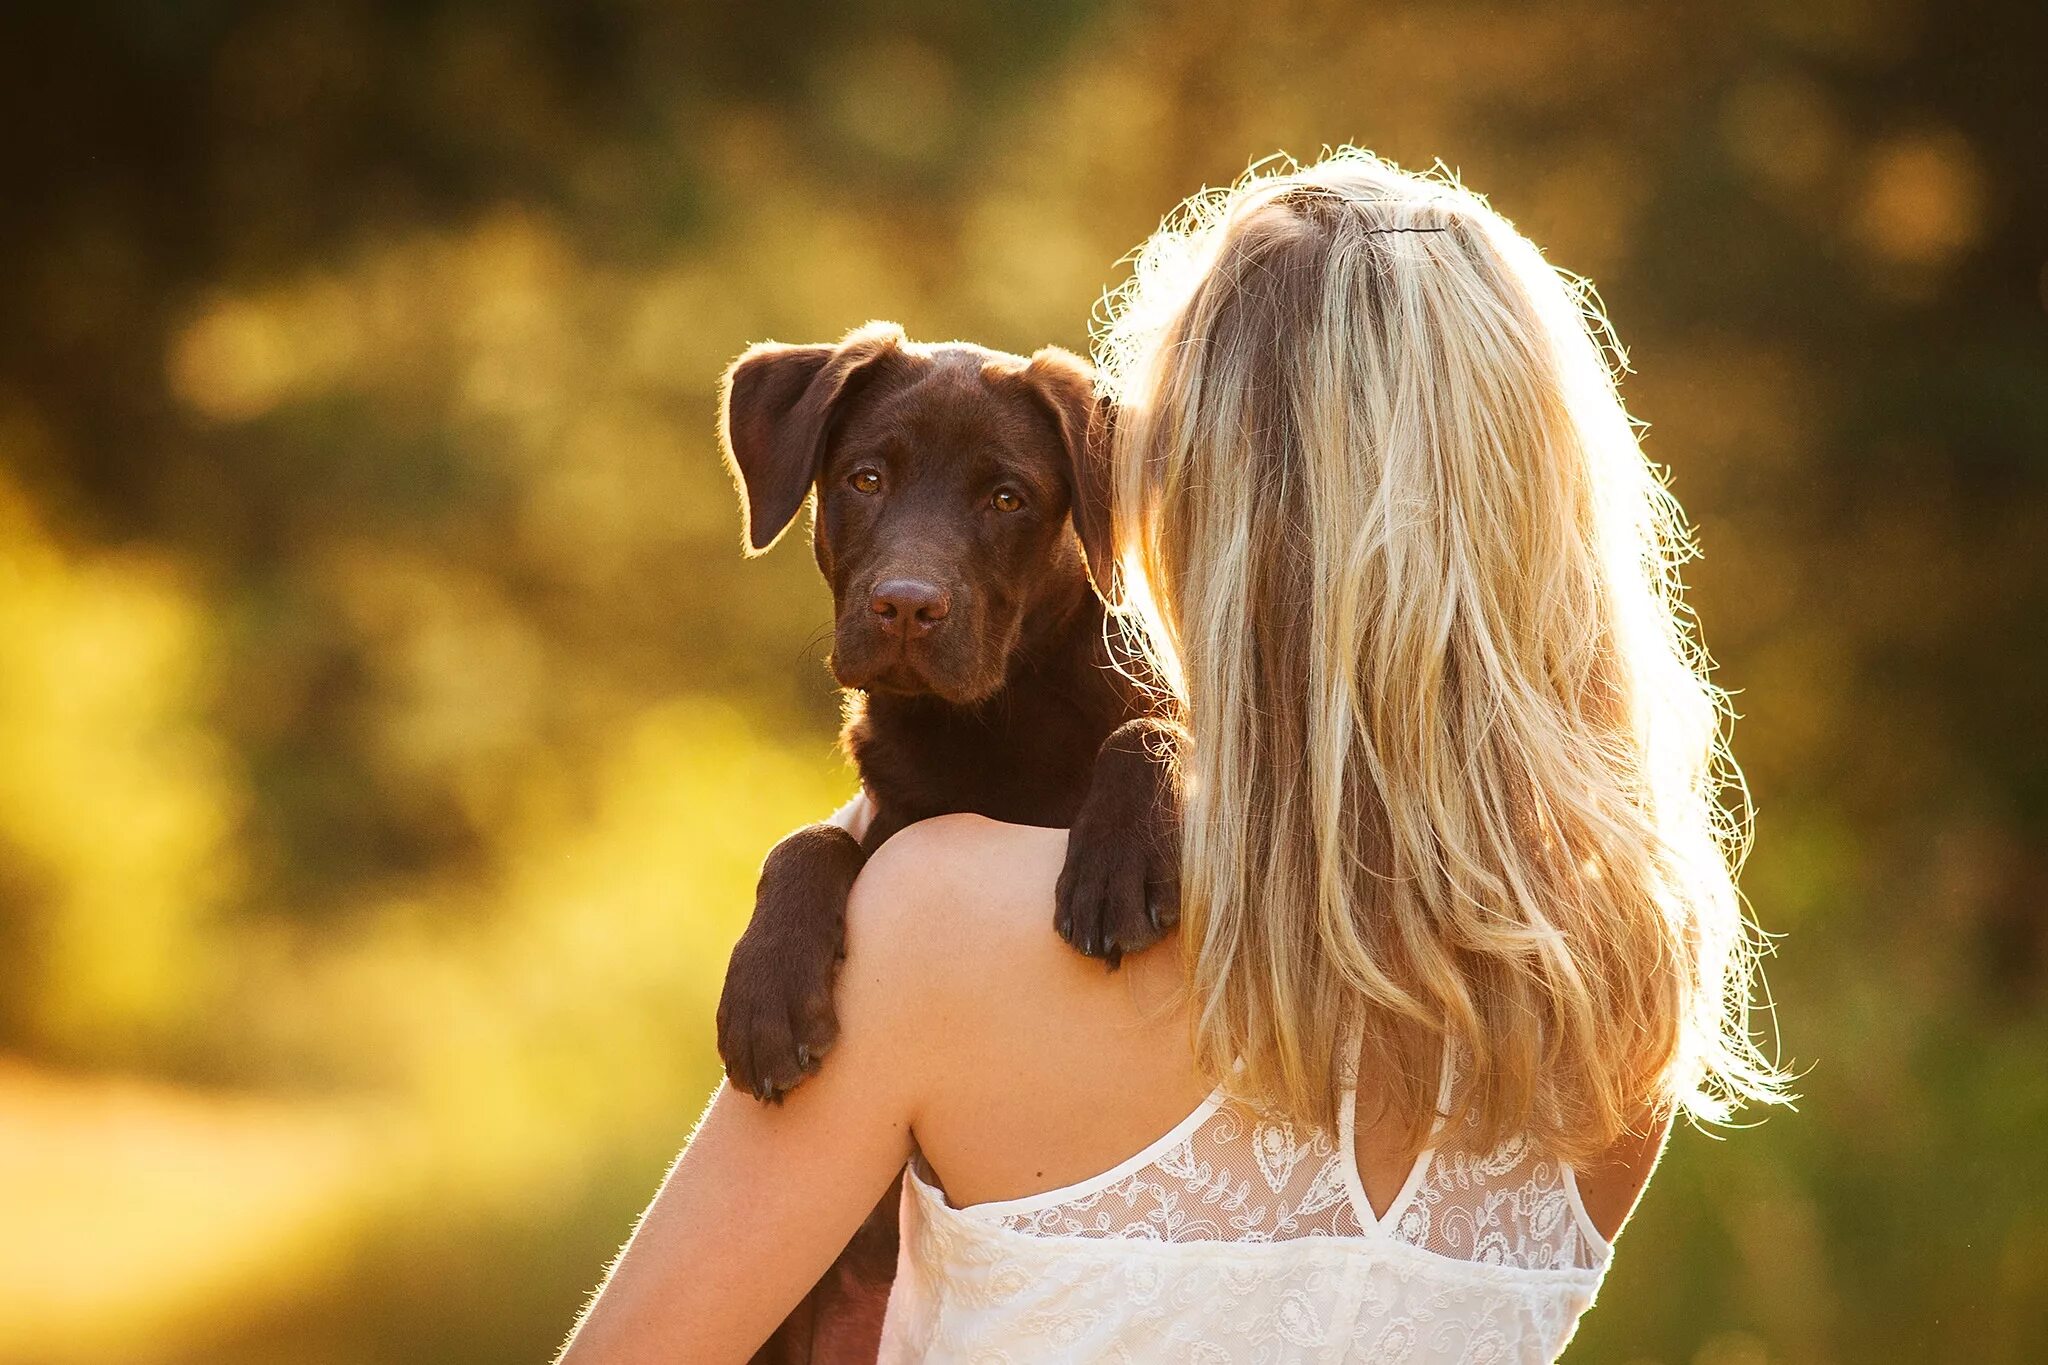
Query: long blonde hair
1456	771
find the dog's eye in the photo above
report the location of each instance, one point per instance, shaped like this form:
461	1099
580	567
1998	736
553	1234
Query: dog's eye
865	480
1006	500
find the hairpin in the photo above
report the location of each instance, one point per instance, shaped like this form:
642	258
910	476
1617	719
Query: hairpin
1374	231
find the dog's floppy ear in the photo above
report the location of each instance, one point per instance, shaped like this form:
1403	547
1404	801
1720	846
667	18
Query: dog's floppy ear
775	415
1065	384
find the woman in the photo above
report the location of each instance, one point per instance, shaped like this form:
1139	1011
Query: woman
1459	931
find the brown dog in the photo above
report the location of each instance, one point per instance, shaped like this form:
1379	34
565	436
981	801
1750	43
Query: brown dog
958	517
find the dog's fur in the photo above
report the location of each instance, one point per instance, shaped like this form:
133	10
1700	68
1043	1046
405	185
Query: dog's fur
959	517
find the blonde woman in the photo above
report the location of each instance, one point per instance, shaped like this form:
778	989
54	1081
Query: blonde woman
1459	932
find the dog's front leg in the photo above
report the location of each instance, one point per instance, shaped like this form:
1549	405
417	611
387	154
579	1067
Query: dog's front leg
776	1020
1119	891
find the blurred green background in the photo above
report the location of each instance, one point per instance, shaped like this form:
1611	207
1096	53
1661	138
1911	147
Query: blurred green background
389	727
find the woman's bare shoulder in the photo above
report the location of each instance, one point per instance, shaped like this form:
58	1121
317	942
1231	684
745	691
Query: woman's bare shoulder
961	905
935	854
960	884
1610	1186
1038	1066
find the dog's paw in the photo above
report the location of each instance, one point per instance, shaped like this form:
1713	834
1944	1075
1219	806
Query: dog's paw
776	1020
1119	891
1114	898
775	1017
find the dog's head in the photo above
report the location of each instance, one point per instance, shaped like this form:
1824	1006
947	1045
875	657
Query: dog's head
958	509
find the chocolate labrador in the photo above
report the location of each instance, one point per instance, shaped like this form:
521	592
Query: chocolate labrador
962	525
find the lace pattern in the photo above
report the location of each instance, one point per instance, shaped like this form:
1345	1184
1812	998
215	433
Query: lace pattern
1236	1173
1238	1176
1506	1207
1243	1237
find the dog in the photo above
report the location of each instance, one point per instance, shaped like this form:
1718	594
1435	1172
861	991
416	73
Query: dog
962	522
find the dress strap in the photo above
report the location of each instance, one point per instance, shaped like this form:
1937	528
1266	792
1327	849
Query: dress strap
1347	1139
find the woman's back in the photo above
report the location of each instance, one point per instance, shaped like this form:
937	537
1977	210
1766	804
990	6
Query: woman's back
1072	1201
1450	772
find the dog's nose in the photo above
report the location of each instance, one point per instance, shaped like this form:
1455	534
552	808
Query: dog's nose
908	607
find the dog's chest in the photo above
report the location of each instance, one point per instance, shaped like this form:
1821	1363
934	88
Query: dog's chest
1023	768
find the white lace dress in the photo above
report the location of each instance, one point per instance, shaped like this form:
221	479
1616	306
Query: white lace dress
1241	1239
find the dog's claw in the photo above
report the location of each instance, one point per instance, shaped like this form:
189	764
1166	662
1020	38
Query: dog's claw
1162	909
